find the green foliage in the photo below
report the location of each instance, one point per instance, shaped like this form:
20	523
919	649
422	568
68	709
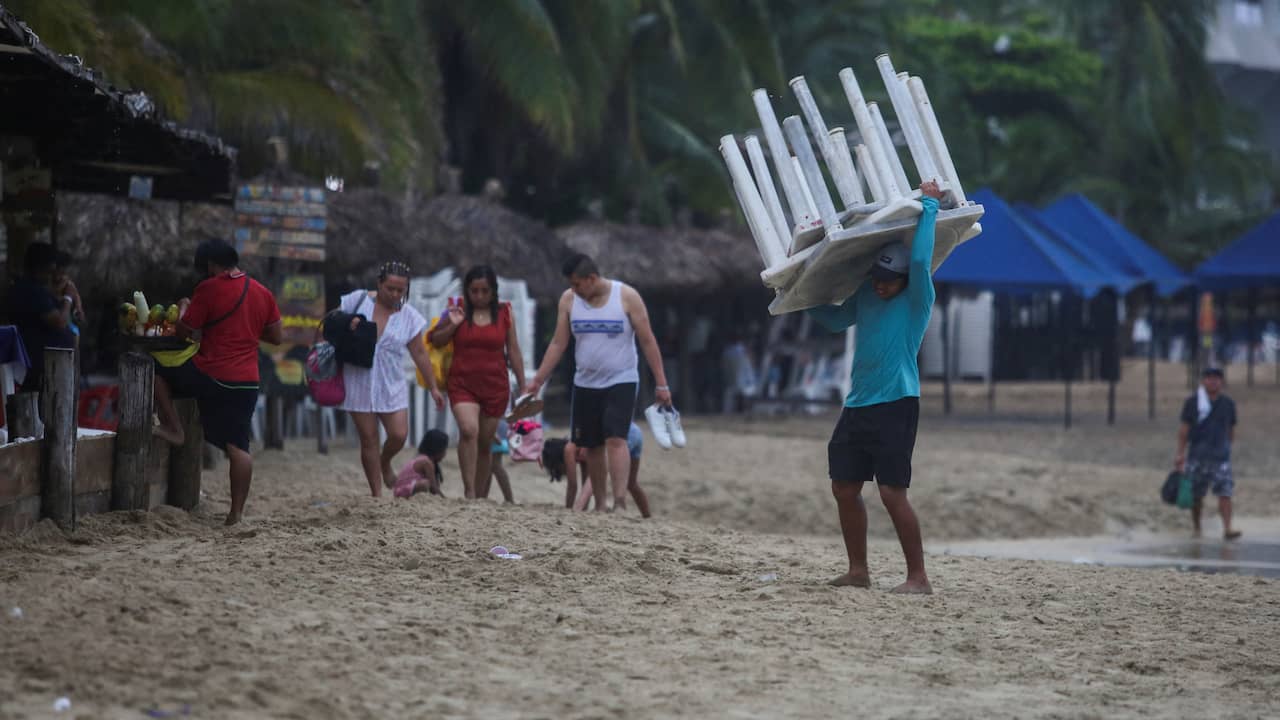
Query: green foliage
622	102
344	83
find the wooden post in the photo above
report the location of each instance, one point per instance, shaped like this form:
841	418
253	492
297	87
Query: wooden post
187	460
273	433
24	415
57	484
322	443
1252	330
946	350
133	434
1067	361
1151	354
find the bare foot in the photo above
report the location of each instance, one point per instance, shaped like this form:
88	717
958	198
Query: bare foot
862	580
232	519
913	587
1231	535
173	436
388	477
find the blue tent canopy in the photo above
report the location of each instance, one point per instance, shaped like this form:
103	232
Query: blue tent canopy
1116	277
1083	221
1251	261
1012	255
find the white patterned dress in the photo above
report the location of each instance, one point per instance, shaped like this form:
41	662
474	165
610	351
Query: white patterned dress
383	388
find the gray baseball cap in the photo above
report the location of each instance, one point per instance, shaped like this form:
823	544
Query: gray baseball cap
893	261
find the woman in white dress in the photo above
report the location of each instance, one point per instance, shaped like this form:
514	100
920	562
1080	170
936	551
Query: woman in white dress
381	393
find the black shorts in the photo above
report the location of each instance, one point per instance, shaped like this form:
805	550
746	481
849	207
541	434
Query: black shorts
226	409
875	441
602	413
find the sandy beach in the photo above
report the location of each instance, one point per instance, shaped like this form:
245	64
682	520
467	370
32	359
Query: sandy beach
330	604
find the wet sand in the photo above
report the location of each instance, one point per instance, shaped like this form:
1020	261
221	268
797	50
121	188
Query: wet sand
330	604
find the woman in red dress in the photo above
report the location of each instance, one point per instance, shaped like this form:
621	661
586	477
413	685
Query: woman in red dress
484	346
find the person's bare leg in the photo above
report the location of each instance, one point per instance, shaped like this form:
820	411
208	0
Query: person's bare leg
853	526
599	474
484	455
571	477
504	480
467	416
397	426
170	427
367	430
585	493
633	487
1197	505
1224	509
241	463
908	527
619	459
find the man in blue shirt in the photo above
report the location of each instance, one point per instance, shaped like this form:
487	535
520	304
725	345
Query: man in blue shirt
876	433
1208	429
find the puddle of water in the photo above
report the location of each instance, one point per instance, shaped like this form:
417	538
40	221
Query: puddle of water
1258	553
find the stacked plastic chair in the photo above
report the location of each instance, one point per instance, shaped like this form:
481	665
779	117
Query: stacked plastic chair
814	253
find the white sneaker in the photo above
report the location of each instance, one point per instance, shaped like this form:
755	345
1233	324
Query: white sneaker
674	428
658	426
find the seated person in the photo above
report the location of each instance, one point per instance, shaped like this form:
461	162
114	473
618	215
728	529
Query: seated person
42	318
423	472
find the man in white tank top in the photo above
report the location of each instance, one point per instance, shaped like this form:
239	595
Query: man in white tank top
606	318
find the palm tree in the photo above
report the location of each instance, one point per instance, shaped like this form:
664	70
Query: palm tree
344	83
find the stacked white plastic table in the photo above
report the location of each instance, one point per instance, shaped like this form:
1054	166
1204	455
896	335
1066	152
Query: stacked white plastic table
814	253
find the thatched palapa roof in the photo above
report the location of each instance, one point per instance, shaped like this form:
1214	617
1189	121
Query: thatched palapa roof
120	245
367	227
668	259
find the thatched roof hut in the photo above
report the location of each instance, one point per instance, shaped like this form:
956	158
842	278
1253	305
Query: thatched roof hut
125	245
367	227
668	260
122	245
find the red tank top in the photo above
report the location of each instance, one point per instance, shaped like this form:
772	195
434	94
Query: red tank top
480	351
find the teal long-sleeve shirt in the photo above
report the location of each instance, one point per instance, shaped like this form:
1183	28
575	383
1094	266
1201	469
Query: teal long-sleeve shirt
888	332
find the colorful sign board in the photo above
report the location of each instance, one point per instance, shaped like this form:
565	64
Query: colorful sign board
301	301
280	221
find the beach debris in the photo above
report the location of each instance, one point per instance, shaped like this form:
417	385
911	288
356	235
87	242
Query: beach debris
15	612
183	711
713	568
320	504
768	577
502	553
62	704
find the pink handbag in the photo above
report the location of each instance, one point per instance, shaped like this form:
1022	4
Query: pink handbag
324	375
525	439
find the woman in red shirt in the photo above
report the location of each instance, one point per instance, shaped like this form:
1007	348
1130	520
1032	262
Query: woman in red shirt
484	346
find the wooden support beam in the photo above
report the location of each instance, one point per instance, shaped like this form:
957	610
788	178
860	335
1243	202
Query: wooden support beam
186	461
57	486
24	415
133	434
273	437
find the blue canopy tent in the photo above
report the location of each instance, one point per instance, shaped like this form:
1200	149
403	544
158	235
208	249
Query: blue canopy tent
1017	254
1076	216
1119	279
1250	263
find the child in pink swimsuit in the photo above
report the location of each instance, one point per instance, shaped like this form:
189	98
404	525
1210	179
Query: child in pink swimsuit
423	472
